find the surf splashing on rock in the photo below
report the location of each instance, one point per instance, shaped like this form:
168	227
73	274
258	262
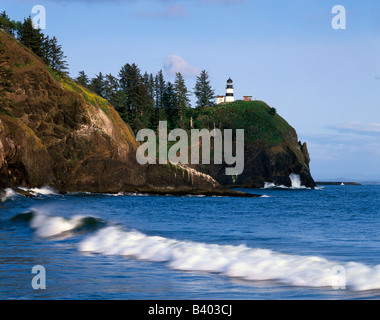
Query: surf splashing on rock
295	180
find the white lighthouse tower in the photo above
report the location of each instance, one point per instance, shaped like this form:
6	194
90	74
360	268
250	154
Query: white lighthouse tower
230	91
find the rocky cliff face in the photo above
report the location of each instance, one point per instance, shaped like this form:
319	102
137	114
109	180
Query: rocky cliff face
54	132
272	151
269	164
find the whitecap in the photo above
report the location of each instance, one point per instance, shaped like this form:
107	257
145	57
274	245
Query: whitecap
232	261
8	194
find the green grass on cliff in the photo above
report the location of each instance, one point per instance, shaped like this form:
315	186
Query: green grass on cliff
89	96
258	120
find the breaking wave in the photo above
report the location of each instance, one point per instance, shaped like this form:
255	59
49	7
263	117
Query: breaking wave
47	226
235	261
232	261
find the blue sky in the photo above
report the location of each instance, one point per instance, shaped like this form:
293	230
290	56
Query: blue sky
324	82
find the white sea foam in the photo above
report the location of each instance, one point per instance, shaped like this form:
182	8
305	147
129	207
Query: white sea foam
232	261
295	183
44	190
9	194
49	226
135	194
115	194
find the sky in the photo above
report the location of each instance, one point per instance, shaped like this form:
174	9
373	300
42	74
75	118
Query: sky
324	81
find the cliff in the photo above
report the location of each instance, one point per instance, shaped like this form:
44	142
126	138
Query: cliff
272	151
55	132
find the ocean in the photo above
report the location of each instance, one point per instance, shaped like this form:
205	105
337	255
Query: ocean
289	244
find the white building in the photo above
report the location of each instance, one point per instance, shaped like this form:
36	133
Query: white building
219	99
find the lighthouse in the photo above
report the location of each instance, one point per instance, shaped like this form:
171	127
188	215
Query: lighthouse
230	91
229	97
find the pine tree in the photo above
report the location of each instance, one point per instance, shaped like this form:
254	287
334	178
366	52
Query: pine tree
169	103
83	79
159	89
97	84
111	86
46	51
145	108
53	55
182	99
120	104
203	91
130	79
148	81
7	24
31	37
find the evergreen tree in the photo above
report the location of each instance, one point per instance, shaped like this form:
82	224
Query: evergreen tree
7	24
46	51
83	79
182	99
111	86
159	89
130	79
148	81
31	37
97	85
145	108
120	103
169	103
53	54
203	91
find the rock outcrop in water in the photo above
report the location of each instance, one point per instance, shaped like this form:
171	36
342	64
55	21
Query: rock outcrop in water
57	133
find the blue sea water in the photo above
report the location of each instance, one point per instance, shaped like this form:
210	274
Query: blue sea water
288	244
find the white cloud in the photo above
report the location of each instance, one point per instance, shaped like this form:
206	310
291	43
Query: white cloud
174	64
358	128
